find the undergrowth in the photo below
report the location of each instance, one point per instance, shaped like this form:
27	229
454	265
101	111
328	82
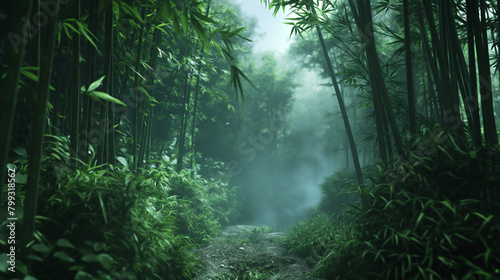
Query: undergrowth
321	240
338	190
255	236
435	215
105	222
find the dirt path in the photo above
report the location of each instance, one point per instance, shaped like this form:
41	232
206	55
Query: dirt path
248	252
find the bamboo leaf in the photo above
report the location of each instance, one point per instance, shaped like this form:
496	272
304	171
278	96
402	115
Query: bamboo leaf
89	258
175	19
199	30
20	151
64	243
63	256
102	95
185	22
102	208
105	260
30	75
166	11
123	161
203	17
131	11
86	33
98	246
70	26
95	84
67	31
41	248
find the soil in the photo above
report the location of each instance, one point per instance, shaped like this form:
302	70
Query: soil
249	252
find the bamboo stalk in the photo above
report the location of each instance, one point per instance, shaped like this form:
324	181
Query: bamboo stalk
340	100
8	98
409	72
38	126
75	100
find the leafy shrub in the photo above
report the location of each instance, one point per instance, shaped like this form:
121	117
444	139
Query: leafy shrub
103	222
337	191
439	218
434	216
319	239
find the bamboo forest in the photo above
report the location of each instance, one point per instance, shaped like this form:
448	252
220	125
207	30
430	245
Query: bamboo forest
250	139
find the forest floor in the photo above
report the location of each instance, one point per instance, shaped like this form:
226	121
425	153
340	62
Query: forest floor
246	252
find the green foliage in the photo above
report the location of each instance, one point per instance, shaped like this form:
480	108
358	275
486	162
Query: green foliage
106	223
439	217
98	95
337	191
320	240
256	235
434	216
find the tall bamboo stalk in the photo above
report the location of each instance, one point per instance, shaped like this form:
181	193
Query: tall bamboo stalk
193	121
364	22
452	115
38	126
340	100
75	100
409	71
106	116
8	98
184	115
136	109
88	105
146	124
485	86
469	99
195	105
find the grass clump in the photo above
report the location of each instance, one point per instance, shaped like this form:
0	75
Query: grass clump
319	240
257	235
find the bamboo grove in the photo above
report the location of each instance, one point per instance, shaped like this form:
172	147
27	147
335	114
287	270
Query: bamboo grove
102	71
425	74
448	50
135	83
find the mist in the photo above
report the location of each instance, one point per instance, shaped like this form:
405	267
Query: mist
280	175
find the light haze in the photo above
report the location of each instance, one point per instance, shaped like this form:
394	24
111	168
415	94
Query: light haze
274	34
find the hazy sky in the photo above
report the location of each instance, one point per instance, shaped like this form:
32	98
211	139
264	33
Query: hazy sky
275	34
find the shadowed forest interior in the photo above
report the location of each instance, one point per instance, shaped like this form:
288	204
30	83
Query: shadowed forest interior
181	139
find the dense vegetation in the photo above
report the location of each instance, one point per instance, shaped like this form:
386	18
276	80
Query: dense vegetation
102	103
430	210
439	222
127	126
102	223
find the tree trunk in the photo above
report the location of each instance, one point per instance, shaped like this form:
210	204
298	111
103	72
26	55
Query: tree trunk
409	73
340	100
147	122
38	126
452	115
363	18
75	100
485	85
182	130
8	98
193	122
136	106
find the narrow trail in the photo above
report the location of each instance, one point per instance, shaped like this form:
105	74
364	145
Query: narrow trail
247	252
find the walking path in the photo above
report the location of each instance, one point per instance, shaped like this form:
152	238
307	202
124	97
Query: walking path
248	252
